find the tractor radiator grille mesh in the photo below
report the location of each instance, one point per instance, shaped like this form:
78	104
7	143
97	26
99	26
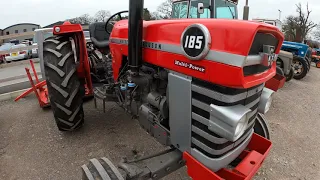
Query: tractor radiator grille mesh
204	94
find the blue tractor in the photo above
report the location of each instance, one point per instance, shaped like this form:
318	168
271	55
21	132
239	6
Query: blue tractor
301	58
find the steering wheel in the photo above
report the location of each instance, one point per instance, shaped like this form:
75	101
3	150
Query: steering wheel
113	19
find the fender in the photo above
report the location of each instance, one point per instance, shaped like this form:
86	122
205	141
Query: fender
77	33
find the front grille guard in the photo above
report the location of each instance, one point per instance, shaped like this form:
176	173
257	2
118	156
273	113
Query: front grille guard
251	160
203	93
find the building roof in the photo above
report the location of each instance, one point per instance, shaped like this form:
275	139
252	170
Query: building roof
21	24
54	24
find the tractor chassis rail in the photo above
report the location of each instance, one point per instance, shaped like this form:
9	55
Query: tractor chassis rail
152	167
164	163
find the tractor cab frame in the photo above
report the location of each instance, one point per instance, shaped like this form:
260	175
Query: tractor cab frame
204	9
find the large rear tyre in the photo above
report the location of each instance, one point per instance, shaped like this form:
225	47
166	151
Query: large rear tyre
261	126
102	169
66	90
300	66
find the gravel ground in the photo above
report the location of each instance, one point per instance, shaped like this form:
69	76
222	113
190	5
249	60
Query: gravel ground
32	148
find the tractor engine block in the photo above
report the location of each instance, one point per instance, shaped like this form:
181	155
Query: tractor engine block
145	97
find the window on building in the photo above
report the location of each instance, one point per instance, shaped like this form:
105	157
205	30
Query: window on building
16	31
33	29
7	33
24	30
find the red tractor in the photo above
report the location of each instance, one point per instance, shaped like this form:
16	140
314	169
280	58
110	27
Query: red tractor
196	85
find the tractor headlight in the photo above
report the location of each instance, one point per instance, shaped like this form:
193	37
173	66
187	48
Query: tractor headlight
242	126
228	122
265	101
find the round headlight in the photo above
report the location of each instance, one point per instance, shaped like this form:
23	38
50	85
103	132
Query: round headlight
265	101
241	127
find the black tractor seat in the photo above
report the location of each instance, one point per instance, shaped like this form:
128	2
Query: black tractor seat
98	35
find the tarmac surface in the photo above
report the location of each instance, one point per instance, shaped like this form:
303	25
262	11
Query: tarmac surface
13	75
32	148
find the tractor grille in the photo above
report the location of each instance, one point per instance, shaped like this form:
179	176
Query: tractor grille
204	94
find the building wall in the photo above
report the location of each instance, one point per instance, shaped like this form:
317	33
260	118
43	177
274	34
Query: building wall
18	29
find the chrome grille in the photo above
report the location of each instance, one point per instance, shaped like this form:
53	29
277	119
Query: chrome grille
204	94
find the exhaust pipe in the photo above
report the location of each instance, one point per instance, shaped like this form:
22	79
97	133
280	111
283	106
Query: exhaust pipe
135	35
246	11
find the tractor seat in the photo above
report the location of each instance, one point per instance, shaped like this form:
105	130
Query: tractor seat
98	35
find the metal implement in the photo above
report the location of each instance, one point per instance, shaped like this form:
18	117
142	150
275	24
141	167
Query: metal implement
39	88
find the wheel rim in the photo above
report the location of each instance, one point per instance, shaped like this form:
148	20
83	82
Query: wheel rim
298	67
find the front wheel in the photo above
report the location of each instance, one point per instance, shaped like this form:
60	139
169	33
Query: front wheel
300	66
261	126
66	90
280	71
290	75
101	169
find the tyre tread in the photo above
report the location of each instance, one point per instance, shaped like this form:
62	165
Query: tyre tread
65	88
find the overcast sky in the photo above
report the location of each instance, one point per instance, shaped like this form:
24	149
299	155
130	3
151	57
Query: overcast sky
45	12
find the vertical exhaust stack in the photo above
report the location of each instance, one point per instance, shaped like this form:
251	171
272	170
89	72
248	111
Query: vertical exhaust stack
135	35
246	11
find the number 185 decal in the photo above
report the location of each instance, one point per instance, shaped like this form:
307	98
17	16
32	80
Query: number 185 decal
196	41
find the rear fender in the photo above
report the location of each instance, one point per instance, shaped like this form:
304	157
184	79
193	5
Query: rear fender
76	32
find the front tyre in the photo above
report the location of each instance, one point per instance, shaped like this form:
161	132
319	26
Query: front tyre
101	169
280	71
261	126
300	66
290	75
65	89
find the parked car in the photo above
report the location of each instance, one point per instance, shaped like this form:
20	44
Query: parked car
26	42
14	41
19	54
44	34
4	47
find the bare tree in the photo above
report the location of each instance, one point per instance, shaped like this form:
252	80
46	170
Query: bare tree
165	8
83	19
290	27
156	16
316	33
304	24
102	16
297	27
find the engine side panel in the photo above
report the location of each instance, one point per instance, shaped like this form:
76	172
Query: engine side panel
180	111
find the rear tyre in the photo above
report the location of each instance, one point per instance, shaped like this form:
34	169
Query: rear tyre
290	75
100	169
300	66
66	90
261	126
